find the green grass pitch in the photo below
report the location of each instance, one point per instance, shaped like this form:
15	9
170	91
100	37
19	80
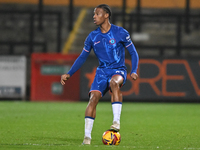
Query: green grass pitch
60	126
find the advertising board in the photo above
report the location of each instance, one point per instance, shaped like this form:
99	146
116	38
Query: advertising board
12	77
46	71
159	80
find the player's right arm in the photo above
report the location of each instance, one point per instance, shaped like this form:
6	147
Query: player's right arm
79	61
64	78
77	64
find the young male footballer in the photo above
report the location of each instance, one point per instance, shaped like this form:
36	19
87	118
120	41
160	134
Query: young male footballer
108	42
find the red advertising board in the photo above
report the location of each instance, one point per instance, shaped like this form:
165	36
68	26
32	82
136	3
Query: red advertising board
46	70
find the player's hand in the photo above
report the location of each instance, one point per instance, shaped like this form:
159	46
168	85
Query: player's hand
64	78
134	76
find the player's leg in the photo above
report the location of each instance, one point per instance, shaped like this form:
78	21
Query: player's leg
115	84
116	100
98	89
90	115
93	101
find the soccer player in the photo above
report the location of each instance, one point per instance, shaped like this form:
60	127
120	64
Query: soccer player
108	42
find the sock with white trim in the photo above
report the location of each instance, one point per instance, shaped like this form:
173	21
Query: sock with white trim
116	108
88	126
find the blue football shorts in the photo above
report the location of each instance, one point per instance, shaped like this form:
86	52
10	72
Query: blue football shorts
102	79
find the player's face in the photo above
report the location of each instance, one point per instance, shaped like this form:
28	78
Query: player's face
99	16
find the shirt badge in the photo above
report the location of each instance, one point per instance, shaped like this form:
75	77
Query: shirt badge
112	41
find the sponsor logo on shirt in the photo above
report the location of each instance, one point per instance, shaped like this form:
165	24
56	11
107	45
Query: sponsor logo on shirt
95	43
112	41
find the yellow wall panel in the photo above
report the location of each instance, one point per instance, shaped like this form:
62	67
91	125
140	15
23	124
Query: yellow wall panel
116	3
20	1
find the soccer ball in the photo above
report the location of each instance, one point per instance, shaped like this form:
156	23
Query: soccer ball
111	137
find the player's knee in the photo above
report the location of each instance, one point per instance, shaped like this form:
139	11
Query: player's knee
93	100
113	84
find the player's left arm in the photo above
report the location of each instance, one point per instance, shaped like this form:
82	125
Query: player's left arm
134	61
132	50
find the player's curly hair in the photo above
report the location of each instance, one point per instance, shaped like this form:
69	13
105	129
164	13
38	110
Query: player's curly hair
106	8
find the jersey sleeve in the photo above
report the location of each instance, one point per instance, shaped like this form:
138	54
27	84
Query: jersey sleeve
126	39
88	43
82	57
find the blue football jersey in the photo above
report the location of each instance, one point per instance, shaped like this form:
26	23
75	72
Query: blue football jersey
109	48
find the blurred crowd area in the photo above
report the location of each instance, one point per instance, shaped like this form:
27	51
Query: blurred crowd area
53	35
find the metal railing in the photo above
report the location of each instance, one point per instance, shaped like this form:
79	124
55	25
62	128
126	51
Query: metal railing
31	33
178	19
136	18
